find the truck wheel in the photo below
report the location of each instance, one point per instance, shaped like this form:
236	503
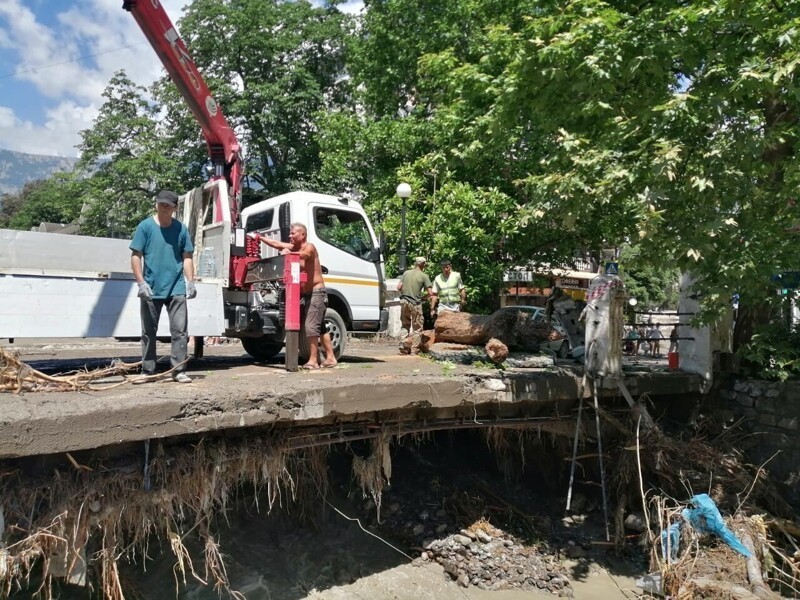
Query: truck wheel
261	348
337	330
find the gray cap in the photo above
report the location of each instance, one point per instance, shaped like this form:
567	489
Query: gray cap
167	197
420	260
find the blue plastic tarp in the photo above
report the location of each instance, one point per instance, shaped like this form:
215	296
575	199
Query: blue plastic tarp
706	518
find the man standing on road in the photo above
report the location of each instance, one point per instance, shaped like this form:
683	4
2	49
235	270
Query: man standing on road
449	290
411	287
315	297
166	278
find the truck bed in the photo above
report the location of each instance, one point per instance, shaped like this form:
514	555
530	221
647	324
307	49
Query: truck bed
55	285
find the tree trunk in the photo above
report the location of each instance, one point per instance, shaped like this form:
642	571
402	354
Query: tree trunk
462	328
514	329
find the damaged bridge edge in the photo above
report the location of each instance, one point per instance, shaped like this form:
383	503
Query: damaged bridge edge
511	395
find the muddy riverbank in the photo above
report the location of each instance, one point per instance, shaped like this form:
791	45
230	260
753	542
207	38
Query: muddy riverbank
457	503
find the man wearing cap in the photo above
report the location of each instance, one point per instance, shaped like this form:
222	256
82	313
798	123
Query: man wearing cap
161	261
448	289
411	287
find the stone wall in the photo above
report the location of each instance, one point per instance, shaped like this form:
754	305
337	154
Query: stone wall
771	417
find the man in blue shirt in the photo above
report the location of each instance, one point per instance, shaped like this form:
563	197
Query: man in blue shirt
161	261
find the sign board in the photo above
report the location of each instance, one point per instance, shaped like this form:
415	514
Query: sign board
612	268
790	280
572	283
518	276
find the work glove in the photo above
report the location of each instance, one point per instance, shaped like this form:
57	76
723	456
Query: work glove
145	291
191	290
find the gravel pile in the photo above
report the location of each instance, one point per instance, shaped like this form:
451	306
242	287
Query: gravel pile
480	555
492	560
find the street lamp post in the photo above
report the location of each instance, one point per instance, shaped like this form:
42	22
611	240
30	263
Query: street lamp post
404	192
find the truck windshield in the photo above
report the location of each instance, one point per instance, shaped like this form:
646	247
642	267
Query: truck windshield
344	229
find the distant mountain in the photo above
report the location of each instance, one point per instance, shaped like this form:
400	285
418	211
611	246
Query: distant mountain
18	168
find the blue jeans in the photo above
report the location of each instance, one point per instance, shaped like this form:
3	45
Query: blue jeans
178	325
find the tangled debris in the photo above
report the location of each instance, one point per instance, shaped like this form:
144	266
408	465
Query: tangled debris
81	523
656	469
16	376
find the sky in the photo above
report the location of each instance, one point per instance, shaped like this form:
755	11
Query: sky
56	58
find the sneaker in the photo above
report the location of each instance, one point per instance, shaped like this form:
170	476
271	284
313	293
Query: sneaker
143	378
181	378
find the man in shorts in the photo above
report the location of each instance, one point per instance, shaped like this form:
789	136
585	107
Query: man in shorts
315	297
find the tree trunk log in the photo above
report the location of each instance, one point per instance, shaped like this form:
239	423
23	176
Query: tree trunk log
462	328
428	339
496	350
514	329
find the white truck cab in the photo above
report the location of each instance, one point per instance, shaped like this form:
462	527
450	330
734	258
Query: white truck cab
348	252
349	257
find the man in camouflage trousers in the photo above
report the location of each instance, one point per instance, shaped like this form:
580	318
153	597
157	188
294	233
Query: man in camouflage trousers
414	283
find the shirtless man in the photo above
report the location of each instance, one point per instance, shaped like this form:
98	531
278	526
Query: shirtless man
315	296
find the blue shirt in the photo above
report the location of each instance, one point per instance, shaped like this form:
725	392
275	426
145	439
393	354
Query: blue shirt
163	249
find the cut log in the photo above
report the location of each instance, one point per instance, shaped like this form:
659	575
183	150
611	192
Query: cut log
514	329
462	328
496	350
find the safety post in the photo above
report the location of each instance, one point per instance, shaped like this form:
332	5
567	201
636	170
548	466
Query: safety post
292	279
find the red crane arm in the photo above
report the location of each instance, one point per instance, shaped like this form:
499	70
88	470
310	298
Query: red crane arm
223	147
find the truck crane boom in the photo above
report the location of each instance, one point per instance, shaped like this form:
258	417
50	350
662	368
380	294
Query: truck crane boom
223	147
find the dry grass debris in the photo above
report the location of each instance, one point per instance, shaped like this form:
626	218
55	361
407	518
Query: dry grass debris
80	520
659	469
16	376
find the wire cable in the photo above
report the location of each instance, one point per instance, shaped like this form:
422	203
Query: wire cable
66	62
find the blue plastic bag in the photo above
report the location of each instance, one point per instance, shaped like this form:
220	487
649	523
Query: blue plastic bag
673	534
705	518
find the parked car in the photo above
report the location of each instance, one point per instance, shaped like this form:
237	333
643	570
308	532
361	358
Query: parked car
537	314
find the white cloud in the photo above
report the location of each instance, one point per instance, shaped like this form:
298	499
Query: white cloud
70	65
353	7
57	136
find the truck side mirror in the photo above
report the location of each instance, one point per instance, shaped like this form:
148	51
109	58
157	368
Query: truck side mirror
375	255
382	243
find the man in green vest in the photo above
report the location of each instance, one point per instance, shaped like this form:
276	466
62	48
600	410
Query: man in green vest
449	289
413	284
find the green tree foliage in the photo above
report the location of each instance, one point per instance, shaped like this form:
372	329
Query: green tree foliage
54	200
272	66
126	158
671	124
581	125
655	287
